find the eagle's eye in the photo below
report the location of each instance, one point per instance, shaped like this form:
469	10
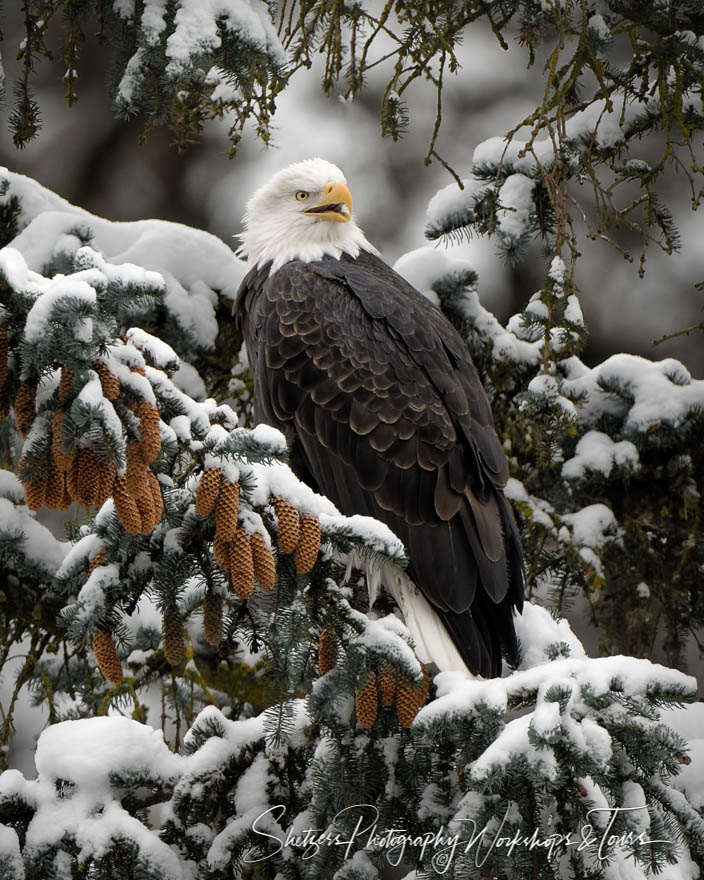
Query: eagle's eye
301	195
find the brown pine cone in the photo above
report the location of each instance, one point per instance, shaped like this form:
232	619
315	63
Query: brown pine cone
366	702
67	500
4	399
242	565
107	473
174	638
110	384
263	558
207	491
289	525
63	460
226	510
387	685
136	472
327	650
24	405
308	544
65	384
34	494
96	561
4	351
145	506
212	620
409	698
157	500
221	551
149	432
106	655
422	689
88	468
72	476
55	486
126	507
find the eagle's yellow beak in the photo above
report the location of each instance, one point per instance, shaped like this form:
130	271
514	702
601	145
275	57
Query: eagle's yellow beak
337	204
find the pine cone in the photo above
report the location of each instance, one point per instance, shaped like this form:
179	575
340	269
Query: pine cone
96	561
308	545
174	638
72	476
366	702
149	431
4	351
207	491
65	384
226	510
136	472
422	689
409	698
84	477
289	525
212	620
145	506
106	480
221	551
25	401
126	507
106	655
157	500
242	565
263	558
67	500
327	650
387	685
63	460
110	384
4	399
55	486
34	494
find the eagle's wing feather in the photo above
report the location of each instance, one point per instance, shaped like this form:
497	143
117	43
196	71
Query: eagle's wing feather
385	413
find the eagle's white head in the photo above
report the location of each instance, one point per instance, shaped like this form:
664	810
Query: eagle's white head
303	213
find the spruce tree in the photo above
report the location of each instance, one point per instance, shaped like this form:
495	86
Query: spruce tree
193	622
207	600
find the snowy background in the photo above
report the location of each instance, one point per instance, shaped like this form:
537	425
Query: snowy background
92	160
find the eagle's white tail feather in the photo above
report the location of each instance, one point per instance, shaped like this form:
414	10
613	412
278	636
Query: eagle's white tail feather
431	641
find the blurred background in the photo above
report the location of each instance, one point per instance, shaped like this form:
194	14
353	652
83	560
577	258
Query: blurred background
93	160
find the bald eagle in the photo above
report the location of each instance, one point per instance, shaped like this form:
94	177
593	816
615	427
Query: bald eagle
383	412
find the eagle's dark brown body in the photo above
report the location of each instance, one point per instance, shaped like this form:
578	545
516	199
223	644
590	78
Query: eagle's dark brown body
385	414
